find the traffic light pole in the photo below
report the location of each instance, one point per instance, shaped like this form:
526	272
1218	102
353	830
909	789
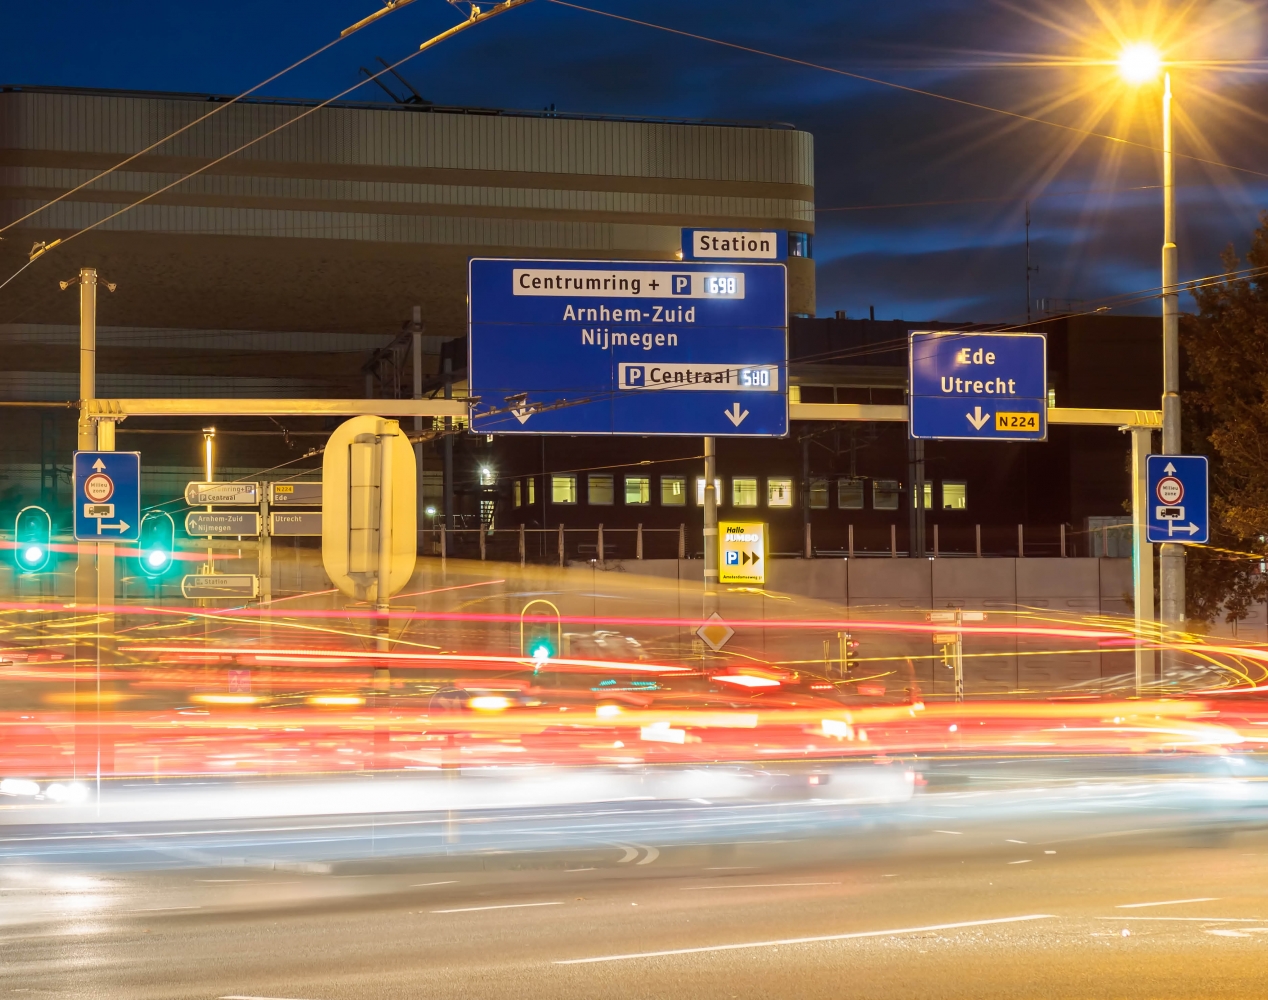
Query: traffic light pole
1142	556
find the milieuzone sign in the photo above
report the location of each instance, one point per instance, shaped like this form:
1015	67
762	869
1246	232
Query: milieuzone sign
615	347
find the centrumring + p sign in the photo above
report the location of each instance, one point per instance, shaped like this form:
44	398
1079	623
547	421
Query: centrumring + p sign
617	347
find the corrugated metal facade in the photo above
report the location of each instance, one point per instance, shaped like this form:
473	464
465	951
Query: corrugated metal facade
403	137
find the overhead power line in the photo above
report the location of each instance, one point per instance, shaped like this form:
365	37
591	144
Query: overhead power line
391	6
1017	115
476	16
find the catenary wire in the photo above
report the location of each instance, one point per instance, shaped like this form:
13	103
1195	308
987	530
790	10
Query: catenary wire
1017	115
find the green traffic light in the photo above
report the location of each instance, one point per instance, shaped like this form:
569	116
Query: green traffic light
33	539
157	543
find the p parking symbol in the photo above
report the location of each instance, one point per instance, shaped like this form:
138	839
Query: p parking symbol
681	284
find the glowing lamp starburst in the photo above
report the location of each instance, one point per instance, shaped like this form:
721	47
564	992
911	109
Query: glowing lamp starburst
1139	63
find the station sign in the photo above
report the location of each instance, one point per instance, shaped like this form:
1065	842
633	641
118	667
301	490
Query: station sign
978	386
735	244
742	552
220	586
107	496
295	494
298	523
226	494
1178	499
613	347
222	523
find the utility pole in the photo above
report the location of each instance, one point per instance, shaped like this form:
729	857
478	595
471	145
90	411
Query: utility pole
94	569
416	331
448	473
1170	554
710	527
1029	270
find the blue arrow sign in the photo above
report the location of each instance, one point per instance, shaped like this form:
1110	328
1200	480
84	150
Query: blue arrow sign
107	496
1178	499
979	386
617	347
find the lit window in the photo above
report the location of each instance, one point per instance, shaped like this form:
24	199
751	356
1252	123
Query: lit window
1052	398
673	491
928	495
487	476
885	494
532	492
799	245
638	490
601	490
563	489
515	489
819	494
779	493
717	491
744	491
850	494
955	495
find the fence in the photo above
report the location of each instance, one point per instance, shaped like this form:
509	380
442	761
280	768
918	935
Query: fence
559	545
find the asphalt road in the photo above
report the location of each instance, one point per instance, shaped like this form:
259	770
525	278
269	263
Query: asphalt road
1020	907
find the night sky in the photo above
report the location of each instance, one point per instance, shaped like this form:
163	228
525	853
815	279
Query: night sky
1095	205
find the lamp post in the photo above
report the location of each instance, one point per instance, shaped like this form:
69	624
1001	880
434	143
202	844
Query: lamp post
1139	64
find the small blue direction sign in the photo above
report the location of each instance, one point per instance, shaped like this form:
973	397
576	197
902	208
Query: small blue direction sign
107	496
1177	496
979	386
615	347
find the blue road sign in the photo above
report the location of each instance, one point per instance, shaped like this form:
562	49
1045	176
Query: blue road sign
1177	497
735	244
107	496
628	347
979	386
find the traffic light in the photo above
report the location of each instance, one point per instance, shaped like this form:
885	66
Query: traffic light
157	543
32	536
539	643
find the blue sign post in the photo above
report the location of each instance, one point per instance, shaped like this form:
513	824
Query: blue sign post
1178	498
613	347
107	496
979	386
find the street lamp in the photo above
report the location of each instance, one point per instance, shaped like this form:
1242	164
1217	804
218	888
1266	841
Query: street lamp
1141	63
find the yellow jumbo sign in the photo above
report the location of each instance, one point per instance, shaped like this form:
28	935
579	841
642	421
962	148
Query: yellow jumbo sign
741	552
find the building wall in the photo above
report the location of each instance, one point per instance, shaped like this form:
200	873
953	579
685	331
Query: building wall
350	216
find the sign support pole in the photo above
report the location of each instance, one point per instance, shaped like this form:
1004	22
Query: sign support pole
1142	555
710	527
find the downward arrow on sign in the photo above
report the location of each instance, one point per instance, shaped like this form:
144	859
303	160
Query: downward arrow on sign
977	418
734	415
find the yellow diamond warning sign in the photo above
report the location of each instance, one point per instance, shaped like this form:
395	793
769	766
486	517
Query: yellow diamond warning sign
742	552
715	632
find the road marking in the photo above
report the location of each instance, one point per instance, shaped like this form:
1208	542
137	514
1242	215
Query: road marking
954	833
1026	862
235	996
504	906
731	868
1167	902
1014	841
804	940
420	885
753	885
1199	920
652	854
157	909
630	853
